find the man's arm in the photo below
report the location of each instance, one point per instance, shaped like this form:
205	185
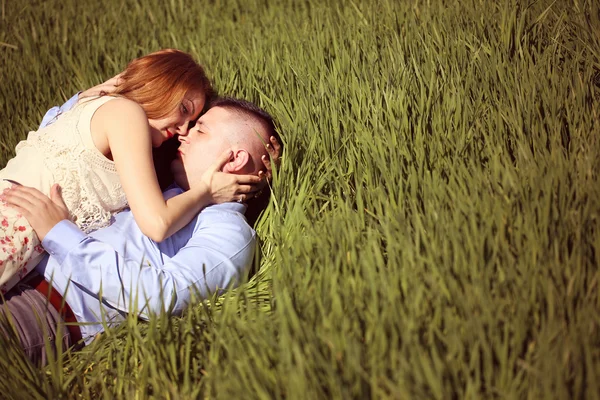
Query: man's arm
53	113
104	88
216	257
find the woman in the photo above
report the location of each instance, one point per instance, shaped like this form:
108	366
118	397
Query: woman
100	153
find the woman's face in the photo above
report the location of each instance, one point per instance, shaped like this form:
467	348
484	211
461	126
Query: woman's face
177	122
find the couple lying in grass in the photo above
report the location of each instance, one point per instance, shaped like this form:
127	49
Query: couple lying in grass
88	235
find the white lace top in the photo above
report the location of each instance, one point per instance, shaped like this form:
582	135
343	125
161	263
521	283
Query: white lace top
64	153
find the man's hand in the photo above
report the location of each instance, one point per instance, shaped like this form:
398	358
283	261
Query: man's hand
41	211
107	87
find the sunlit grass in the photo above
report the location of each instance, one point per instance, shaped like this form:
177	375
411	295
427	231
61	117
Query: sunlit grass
434	225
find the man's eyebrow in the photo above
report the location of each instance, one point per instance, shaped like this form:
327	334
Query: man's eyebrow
201	125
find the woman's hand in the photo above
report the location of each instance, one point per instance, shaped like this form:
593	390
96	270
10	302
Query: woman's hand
41	211
224	187
274	149
274	157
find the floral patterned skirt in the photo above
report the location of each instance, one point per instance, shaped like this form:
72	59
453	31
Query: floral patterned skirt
20	248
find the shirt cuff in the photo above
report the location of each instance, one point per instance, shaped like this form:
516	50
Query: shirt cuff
62	238
53	113
70	103
50	116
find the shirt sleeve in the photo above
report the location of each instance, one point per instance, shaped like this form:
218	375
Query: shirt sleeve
216	257
53	113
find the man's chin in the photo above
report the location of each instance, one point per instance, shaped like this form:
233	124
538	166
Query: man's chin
179	174
182	182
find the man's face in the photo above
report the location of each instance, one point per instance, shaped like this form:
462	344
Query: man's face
202	145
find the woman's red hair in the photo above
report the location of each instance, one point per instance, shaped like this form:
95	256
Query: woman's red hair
160	80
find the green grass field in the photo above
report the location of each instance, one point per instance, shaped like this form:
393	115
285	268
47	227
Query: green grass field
434	229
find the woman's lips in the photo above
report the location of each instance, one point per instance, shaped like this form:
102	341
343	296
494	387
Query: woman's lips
169	134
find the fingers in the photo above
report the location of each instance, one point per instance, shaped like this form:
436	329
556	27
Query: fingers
248	179
249	186
23	204
247	189
27	197
56	195
42	212
265	177
23	211
274	148
267	163
26	200
17	201
114	81
223	159
106	87
54	192
245	197
110	85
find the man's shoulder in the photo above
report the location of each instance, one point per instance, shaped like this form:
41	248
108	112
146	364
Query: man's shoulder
227	213
222	228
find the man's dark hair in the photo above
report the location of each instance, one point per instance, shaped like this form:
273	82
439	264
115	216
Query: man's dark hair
257	204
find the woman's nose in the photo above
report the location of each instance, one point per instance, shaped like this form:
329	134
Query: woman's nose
183	128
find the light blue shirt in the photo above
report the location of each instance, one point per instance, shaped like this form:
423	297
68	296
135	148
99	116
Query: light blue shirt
55	112
118	270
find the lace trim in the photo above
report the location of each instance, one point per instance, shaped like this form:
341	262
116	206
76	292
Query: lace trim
90	199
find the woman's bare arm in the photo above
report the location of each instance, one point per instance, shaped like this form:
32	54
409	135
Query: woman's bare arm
127	131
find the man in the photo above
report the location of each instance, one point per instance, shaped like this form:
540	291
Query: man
117	269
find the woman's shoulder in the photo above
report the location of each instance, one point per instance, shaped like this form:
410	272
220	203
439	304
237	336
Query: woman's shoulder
118	103
119	108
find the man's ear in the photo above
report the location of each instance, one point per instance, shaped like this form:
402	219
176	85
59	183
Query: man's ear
241	158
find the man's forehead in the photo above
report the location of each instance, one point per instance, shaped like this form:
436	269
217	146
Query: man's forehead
211	119
223	120
218	112
216	116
